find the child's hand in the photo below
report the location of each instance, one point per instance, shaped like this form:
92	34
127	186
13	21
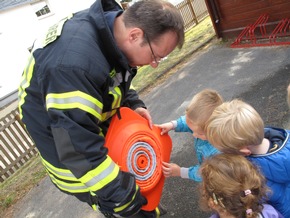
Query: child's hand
165	127
170	169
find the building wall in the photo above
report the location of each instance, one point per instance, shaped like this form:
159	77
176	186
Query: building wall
21	21
230	17
19	27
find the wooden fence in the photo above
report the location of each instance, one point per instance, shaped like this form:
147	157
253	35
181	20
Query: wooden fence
192	12
17	147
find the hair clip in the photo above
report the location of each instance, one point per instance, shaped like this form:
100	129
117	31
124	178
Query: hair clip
249	211
221	203
214	199
217	201
247	192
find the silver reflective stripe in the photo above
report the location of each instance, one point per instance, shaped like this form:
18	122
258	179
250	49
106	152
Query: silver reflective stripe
64	175
63	101
102	175
117	81
70	187
75	99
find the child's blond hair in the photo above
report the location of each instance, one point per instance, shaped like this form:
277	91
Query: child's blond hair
202	106
233	184
234	125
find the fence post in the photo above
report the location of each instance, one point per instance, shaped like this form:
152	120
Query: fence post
189	2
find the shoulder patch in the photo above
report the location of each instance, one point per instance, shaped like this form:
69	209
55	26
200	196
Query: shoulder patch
55	31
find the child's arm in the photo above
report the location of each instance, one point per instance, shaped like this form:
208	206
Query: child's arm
178	125
193	173
181	125
172	169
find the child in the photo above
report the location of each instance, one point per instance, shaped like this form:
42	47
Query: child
197	113
234	188
236	127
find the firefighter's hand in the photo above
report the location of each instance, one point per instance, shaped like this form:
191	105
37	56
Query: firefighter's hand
145	113
131	202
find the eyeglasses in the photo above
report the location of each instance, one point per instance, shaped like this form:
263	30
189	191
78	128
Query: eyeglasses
155	61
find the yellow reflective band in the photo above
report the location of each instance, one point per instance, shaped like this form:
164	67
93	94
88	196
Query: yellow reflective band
94	207
117	94
132	87
25	82
109	171
113	73
75	99
59	172
118	209
117	97
99	177
157	212
93	193
69	187
107	115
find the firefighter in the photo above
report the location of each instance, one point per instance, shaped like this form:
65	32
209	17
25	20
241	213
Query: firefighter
76	78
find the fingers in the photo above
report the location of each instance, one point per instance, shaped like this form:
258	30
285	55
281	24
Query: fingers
147	116
163	131
166	169
164	128
160	126
145	113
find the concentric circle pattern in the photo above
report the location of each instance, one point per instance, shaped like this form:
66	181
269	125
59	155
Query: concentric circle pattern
143	162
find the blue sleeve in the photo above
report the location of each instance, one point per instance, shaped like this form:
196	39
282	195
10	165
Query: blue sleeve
209	150
193	173
182	126
203	150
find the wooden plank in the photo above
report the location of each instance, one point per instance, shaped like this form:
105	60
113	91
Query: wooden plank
234	15
23	136
11	146
5	148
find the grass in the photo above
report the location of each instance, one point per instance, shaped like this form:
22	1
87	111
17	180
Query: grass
17	186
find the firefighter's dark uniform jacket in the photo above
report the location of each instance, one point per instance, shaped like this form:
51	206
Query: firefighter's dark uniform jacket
71	87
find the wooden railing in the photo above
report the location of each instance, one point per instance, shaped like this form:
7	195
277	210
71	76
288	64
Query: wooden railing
17	147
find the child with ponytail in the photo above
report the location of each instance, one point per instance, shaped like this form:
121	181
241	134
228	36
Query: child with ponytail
233	187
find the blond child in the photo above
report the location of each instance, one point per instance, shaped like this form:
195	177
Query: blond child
197	113
233	187
236	127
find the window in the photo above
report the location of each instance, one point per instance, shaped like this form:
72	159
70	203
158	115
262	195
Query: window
41	8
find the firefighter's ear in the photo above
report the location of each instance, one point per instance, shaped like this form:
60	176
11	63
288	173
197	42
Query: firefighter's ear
135	35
